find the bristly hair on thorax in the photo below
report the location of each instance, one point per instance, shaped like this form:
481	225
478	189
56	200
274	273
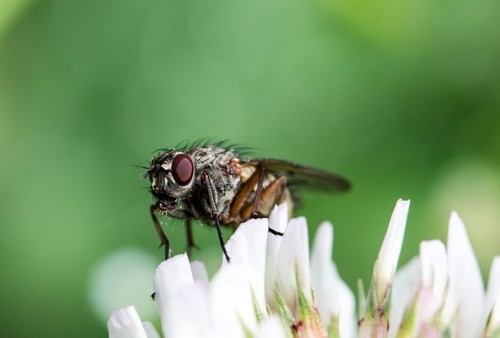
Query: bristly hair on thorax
185	145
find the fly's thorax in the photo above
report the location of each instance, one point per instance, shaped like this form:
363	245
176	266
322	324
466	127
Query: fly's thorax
206	157
214	172
226	184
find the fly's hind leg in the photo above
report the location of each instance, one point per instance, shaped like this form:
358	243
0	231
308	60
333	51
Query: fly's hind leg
263	201
271	195
246	188
258	193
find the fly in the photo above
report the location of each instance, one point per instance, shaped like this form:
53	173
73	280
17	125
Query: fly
216	185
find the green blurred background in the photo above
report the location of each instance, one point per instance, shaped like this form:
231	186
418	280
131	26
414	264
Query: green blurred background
402	97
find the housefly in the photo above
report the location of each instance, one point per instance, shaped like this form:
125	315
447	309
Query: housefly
213	183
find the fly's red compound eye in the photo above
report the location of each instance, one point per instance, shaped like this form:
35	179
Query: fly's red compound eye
182	169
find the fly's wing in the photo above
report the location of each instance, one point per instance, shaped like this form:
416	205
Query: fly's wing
304	176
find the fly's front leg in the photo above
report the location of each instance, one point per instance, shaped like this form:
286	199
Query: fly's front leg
166	208
164	240
187	217
189	238
214	213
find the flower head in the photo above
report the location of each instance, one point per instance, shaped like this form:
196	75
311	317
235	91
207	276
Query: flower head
275	287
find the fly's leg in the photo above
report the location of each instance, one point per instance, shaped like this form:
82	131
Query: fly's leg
258	193
164	240
189	237
275	232
241	197
209	185
269	197
180	214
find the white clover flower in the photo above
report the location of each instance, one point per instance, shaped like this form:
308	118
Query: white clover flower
275	287
446	298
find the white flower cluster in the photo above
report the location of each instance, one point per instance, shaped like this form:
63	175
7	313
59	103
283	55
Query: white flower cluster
273	287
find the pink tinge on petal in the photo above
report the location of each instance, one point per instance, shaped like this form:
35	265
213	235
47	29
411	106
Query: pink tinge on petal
431	332
427	307
125	323
431	296
466	283
404	290
434	267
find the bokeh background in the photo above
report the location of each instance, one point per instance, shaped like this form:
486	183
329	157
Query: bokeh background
402	97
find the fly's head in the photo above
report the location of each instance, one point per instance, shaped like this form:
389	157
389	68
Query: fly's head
171	175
